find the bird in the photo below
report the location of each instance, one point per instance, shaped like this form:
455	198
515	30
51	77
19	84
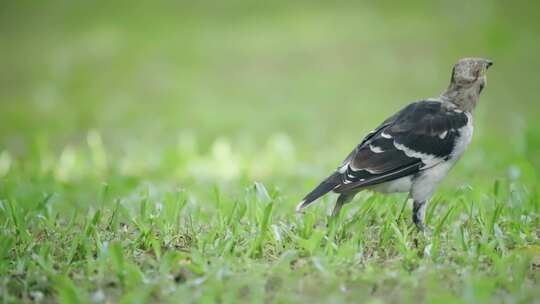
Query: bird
414	149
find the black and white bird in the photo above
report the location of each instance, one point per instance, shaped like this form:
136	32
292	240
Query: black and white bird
413	150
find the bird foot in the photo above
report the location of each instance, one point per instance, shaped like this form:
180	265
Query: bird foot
427	232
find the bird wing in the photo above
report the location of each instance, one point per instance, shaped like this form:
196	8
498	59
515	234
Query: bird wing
420	136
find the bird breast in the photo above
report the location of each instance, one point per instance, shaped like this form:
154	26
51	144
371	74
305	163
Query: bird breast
464	139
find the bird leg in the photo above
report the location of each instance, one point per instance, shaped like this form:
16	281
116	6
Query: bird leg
342	200
419	214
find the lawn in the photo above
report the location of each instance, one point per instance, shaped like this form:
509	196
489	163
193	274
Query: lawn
155	152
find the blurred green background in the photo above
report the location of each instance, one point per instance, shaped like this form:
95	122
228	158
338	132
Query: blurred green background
257	89
132	132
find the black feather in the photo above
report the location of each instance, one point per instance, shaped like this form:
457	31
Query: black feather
326	186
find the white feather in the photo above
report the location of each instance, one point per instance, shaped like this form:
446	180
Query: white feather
429	160
375	149
443	134
387	136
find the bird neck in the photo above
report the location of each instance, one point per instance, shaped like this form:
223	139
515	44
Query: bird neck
464	98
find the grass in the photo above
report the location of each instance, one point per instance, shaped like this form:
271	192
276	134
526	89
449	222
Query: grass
155	152
74	238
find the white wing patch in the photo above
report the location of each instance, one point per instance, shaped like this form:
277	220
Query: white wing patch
385	135
429	160
354	169
443	134
375	149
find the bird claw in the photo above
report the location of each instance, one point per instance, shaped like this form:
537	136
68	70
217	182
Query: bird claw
427	232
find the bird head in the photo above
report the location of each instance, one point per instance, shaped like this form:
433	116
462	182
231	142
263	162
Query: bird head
468	80
469	72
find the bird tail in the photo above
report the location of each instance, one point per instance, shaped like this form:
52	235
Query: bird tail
326	186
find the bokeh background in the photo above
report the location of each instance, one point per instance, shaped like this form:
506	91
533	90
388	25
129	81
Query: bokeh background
155	151
276	91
